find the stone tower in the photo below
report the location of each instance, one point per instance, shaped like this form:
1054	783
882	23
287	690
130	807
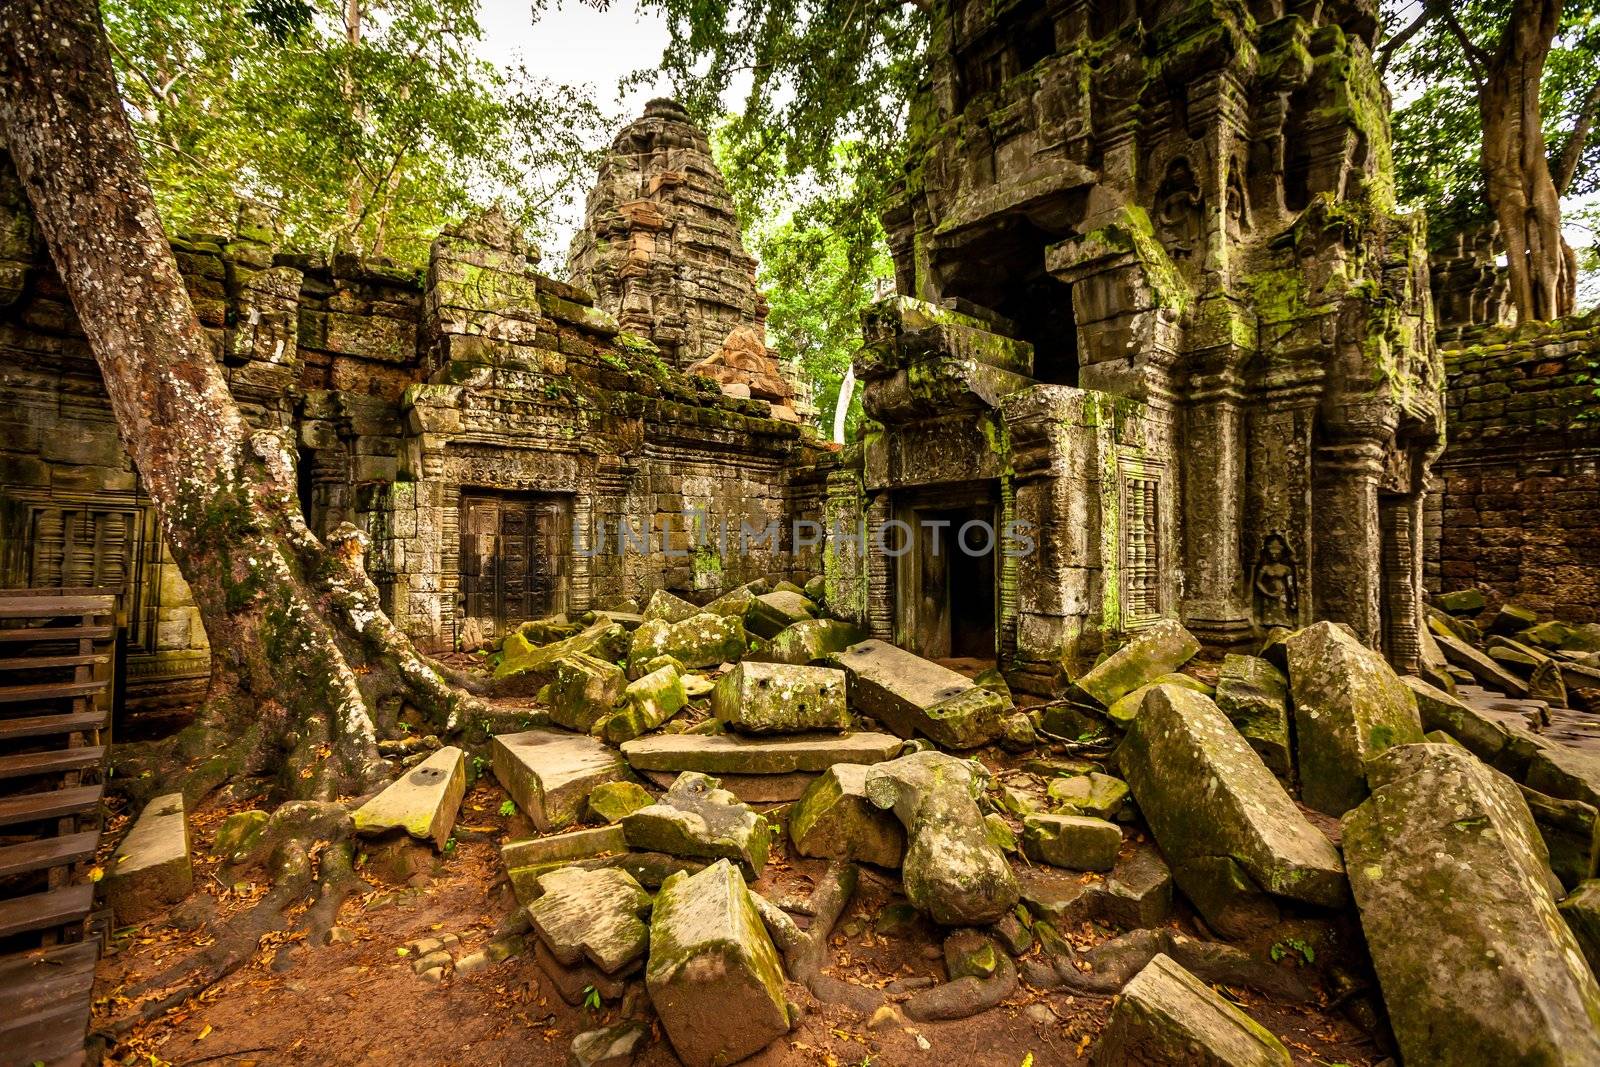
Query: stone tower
660	244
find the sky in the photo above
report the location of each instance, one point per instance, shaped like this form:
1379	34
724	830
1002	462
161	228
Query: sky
575	43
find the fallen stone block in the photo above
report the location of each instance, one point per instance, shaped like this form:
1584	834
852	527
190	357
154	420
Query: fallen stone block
728	753
423	801
1348	707
151	868
612	1046
780	698
1167	1015
1511	619
1254	695
1439	710
1489	674
1453	886
951	869
714	976
1570	834
750	788
1075	842
834	819
1160	649
668	607
1125	707
701	640
1094	794
559	848
577	983
1581	910
915	697
550	774
1558	770
610	802
812	641
1225	824
1461	602
696	818
647	702
770	613
598	915
584	690
530	666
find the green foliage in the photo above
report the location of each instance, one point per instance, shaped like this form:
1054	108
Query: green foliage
507	809
368	145
1281	949
591	998
1438	130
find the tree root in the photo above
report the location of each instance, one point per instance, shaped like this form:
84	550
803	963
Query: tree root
965	996
1111	965
805	951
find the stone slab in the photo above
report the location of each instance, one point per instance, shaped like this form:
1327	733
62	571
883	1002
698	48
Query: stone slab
915	697
781	698
151	868
549	773
593	914
1156	650
423	801
728	753
1167	1015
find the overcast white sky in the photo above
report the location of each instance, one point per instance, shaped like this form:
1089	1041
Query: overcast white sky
574	43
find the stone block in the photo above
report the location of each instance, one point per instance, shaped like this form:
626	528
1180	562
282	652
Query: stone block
1254	695
610	802
550	774
1094	794
423	801
701	640
593	914
151	868
1076	842
770	613
668	607
647	702
698	819
1125	707
834	819
731	754
1167	1015
1348	707
1453	885
1152	652
780	698
1438	710
1481	666
714	976
584	690
1224	823
915	697
1581	910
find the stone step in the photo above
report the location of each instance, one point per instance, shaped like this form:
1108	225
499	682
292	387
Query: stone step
423	801
727	753
151	868
549	773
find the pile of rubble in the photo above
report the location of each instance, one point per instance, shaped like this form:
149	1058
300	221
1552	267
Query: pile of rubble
1293	798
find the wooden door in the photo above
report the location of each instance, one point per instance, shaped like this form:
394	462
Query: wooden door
513	557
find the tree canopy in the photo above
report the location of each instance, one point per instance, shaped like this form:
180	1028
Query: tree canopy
365	125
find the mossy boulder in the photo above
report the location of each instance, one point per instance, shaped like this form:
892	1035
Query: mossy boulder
533	665
596	915
1454	888
668	607
1152	652
1076	842
698	819
1348	707
1125	707
714	976
770	613
1461	602
811	641
646	703
1167	1015
701	640
1254	695
1230	831
1094	794
585	690
238	834
615	801
781	698
834	819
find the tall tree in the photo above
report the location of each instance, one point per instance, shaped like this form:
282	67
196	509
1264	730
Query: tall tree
365	124
1515	86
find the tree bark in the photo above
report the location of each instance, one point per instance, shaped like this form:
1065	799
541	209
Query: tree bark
1541	268
306	668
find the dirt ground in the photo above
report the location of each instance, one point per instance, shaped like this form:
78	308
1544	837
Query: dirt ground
358	1001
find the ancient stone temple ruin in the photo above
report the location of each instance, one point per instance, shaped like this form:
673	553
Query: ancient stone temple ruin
1155	303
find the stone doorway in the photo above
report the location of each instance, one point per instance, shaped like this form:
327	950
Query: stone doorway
947	603
515	554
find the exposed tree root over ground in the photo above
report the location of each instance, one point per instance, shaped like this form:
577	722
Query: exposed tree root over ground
284	996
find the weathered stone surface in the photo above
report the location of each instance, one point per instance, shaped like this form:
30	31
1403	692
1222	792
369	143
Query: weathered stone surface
698	819
1461	602
702	640
1570	833
1076	842
151	868
780	698
646	704
770	614
1451	878
237	834
613	800
915	697
423	801
1438	710
1562	771
1214	808
1488	673
668	607
1348	707
835	819
520	658
556	849
594	914
1254	695
584	690
951	869
1167	1015
1157	650
812	641
1125	707
577	983
728	753
1581	910
550	774
1511	619
1094	794
612	1046
714	976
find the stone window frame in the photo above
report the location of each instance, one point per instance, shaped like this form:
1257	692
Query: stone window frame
1141	485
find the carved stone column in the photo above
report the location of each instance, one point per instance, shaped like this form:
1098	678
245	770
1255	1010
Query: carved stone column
1347	552
1215	607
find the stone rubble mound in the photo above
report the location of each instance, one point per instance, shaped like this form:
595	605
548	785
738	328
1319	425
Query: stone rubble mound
699	742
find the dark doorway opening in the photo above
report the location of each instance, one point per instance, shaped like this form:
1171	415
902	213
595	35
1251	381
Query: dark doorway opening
515	551
947	587
1004	271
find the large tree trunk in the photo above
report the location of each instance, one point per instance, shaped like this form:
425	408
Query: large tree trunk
306	667
1542	269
